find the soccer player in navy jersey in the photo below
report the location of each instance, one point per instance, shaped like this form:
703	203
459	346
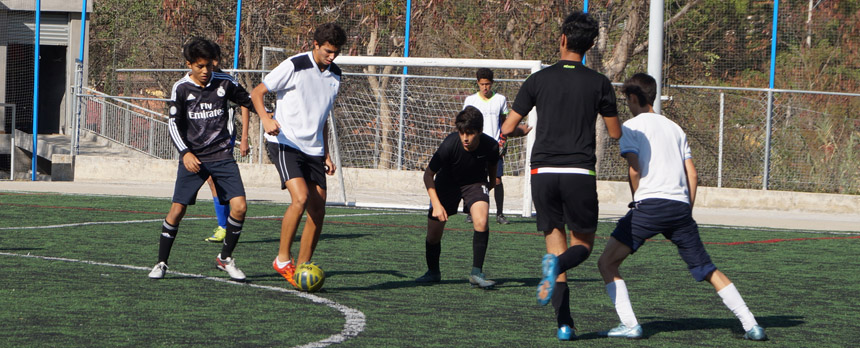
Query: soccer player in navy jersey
462	168
568	97
198	127
663	181
306	85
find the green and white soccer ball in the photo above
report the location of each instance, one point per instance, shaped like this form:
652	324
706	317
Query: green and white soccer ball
309	277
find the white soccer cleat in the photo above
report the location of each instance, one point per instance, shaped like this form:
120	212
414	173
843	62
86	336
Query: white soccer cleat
158	271
229	265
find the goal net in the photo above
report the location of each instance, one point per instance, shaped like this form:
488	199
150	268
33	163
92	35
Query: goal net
389	123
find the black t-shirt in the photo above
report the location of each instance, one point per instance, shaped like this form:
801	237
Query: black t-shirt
199	116
568	97
455	167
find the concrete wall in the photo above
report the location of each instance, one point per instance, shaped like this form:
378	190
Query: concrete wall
392	187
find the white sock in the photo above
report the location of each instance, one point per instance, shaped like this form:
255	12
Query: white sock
732	298
282	264
617	291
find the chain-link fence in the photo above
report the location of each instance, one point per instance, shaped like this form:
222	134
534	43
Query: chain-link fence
813	137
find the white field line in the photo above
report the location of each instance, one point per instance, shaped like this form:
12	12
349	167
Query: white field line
355	319
185	219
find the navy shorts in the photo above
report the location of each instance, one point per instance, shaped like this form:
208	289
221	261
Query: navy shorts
500	168
225	175
450	198
562	198
672	219
292	163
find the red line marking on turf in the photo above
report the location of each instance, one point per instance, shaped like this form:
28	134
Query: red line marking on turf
23	194
779	240
94	209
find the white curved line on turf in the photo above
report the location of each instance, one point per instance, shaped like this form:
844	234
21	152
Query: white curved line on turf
355	319
160	220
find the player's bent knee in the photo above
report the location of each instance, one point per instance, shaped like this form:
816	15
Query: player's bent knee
315	211
702	272
238	211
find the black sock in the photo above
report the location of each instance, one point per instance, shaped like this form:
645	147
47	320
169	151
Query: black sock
433	253
234	230
165	243
479	248
561	304
499	195
572	257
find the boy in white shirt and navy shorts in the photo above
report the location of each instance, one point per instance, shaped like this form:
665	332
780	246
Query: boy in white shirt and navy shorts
663	181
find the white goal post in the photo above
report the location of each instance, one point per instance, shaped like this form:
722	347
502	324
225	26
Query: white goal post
458	69
392	113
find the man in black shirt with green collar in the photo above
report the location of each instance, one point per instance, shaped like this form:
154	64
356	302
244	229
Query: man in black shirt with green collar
568	97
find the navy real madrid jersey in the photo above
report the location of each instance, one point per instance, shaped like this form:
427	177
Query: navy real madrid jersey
199	117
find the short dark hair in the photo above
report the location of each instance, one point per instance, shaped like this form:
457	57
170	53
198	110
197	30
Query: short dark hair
643	86
198	47
331	33
580	29
484	73
470	121
217	52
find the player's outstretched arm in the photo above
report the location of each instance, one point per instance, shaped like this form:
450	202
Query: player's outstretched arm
270	125
613	127
634	172
438	210
692	179
329	164
492	169
244	146
512	127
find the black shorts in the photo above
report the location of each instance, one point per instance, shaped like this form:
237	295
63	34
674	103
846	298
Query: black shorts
450	198
565	199
673	219
292	163
225	175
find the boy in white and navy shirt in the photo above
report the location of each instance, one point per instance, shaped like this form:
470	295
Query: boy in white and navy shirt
306	85
663	180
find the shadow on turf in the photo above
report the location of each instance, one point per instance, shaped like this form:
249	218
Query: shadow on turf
409	282
298	238
20	249
651	328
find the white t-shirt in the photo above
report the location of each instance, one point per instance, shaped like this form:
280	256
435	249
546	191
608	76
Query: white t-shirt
662	148
305	96
492	109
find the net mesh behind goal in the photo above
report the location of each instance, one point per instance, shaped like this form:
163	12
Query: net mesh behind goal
389	124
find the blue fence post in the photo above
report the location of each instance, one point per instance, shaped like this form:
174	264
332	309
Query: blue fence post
584	9
35	152
236	39
403	85
769	122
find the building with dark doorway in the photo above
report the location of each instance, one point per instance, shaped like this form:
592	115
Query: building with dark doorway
60	44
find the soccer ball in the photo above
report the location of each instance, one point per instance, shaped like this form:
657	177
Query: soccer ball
309	277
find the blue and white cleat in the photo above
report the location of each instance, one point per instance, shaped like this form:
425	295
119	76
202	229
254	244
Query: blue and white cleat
623	331
565	333
549	266
756	334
